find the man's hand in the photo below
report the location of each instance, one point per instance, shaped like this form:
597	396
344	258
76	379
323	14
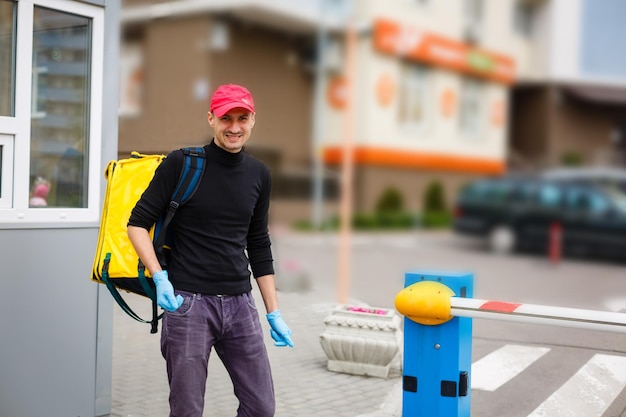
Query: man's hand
279	330
165	292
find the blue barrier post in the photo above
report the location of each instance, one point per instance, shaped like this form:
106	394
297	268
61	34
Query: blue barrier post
438	357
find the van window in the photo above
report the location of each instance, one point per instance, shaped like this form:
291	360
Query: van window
617	197
576	199
499	191
477	191
598	204
550	196
524	192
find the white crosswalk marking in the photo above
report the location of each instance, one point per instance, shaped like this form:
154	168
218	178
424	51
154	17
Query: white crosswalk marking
589	392
616	304
502	365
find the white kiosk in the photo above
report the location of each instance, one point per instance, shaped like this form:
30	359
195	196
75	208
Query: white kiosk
58	127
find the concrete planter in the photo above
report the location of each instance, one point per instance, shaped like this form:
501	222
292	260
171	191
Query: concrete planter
361	340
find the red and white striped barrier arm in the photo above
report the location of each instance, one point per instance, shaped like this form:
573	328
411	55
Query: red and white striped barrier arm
539	314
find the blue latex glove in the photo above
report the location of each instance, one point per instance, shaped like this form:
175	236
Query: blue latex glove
279	330
165	292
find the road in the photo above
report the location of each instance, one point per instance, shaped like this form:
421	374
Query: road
552	369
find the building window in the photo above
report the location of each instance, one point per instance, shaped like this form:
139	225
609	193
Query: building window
473	21
220	36
50	150
523	17
471	107
8	25
60	114
131	78
473	11
414	96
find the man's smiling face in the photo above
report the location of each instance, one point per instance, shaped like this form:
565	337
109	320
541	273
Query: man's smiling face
233	129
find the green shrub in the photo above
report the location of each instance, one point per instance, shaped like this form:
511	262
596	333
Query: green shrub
302	225
395	220
305	225
364	221
435	214
433	198
572	159
331	223
436	219
391	200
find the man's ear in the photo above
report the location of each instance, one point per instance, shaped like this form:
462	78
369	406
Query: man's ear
211	119
252	118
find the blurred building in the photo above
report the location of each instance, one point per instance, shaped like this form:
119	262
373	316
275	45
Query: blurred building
438	87
174	55
569	103
430	96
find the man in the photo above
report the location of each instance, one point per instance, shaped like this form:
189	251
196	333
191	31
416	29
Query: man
206	289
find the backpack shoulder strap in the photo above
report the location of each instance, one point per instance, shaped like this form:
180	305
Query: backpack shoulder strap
191	173
193	167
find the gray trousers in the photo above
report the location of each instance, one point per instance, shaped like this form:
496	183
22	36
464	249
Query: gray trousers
229	324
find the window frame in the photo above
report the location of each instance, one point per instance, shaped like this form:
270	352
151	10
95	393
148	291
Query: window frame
474	12
472	92
19	214
131	62
523	18
6	165
415	78
473	20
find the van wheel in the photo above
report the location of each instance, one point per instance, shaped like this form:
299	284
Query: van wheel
502	239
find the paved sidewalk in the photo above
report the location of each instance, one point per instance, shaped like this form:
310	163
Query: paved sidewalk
304	387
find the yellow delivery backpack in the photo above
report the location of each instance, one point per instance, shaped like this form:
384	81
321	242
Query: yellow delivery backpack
116	263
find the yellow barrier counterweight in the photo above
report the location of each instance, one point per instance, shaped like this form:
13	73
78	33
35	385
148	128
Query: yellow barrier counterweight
425	302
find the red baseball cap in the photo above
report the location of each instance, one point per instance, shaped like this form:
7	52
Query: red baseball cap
231	96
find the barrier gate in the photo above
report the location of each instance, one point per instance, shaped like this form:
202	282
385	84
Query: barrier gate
438	307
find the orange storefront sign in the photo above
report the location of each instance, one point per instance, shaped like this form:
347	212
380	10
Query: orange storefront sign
402	40
448	103
385	90
498	114
372	155
336	93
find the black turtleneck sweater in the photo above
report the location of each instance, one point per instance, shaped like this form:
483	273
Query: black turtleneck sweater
227	215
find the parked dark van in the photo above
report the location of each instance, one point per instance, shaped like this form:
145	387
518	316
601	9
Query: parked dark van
603	176
519	213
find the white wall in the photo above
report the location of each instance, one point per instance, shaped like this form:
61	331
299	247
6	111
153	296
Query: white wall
564	39
377	127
